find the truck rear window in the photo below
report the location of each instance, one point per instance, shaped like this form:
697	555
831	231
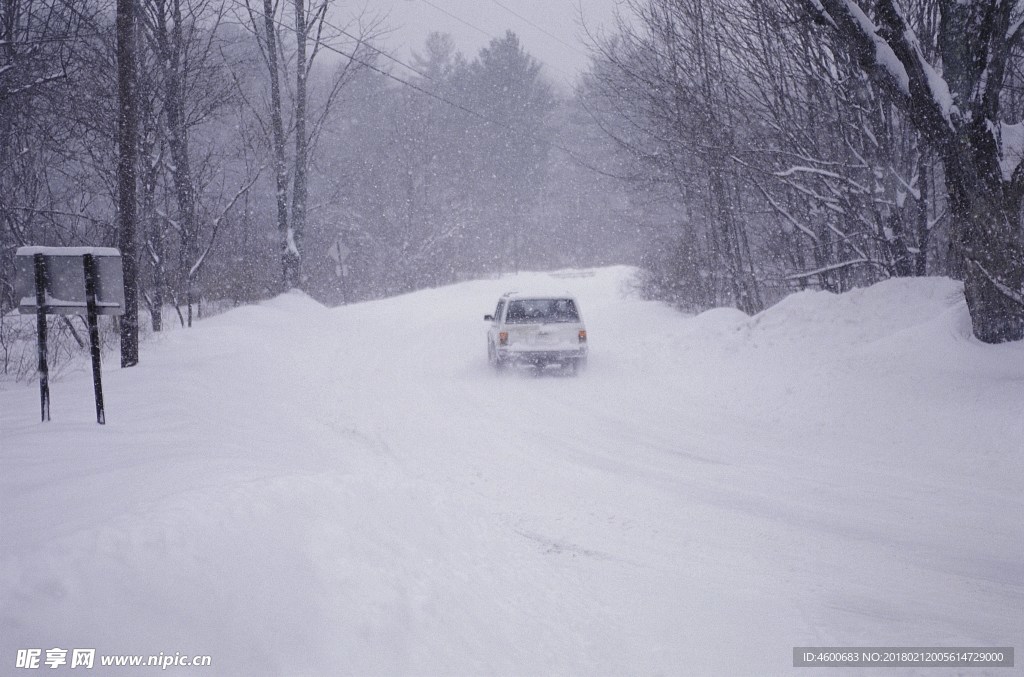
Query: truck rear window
531	311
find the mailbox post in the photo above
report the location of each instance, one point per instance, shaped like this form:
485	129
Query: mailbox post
69	281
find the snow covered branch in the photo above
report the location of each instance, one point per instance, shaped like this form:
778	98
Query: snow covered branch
833	267
894	61
38	82
1015	296
217	221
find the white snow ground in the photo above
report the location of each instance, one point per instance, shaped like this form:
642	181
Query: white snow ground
296	490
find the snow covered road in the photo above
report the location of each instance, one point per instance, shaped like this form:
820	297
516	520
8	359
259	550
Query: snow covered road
295	490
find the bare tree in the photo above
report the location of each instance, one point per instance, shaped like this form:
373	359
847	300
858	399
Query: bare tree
188	89
312	33
666	88
270	49
40	60
958	109
847	177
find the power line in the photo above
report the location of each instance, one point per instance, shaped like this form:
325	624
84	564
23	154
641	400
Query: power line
359	41
459	19
494	37
375	49
442	99
366	64
542	30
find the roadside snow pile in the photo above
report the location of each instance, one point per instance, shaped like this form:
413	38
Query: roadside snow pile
861	315
901	324
297	490
823	320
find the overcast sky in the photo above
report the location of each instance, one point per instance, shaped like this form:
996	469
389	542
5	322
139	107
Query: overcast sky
549	30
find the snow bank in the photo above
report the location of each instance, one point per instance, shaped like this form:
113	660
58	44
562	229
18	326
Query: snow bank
920	322
860	315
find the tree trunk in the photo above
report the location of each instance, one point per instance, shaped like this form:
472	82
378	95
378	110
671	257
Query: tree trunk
149	219
154	243
277	130
181	172
985	227
986	230
923	229
127	140
299	189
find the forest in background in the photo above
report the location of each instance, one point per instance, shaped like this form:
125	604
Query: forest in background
734	156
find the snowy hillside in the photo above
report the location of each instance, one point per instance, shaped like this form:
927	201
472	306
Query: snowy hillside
297	490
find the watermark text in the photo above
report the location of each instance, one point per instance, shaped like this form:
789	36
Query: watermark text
36	659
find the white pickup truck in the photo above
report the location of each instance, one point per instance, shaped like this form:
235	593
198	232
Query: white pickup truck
536	330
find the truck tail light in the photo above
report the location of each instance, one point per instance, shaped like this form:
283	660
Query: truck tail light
503	338
583	335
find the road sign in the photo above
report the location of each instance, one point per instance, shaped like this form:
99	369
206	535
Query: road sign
65	292
338	251
69	281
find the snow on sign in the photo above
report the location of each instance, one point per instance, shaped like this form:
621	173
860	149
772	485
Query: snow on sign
69	280
64	289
